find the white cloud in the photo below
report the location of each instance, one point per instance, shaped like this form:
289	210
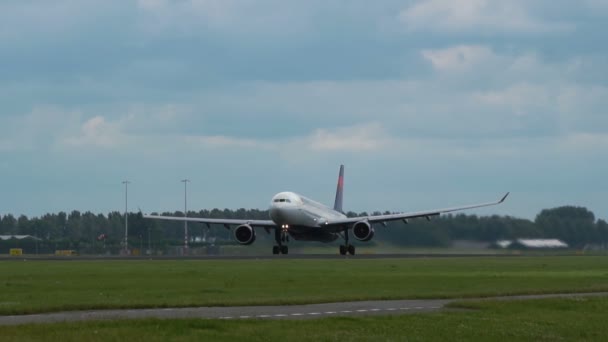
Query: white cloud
481	64
56	128
520	97
373	139
362	138
359	138
68	130
226	142
479	16
37	129
98	132
569	107
459	58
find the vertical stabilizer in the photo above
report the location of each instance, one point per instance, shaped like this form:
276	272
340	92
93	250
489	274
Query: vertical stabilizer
339	191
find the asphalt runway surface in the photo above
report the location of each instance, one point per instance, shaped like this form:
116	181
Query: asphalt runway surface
387	307
258	257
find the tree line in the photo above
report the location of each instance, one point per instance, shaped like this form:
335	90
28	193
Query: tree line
98	233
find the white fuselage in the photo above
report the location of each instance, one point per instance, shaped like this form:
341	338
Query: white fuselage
288	209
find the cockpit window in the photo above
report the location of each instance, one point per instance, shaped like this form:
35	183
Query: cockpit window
287	200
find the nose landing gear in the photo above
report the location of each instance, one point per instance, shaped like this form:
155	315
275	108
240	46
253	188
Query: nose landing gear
281	236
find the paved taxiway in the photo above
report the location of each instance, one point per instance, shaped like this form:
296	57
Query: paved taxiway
262	312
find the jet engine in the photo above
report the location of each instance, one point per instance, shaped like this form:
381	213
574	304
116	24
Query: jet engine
363	231
244	234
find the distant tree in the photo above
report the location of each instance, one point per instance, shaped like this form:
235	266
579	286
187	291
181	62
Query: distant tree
602	232
23	225
575	225
77	230
9	224
351	214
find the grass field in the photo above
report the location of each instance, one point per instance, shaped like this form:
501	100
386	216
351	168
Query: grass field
43	286
534	320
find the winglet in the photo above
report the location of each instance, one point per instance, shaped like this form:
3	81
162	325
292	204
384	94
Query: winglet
339	191
504	197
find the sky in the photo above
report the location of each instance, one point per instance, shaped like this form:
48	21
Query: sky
427	103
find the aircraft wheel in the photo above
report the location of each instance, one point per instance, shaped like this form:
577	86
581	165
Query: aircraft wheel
351	249
275	250
342	250
284	250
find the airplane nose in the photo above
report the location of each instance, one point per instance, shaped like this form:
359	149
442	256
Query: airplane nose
278	215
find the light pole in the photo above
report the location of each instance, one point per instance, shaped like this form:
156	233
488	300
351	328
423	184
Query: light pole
185	181
126	183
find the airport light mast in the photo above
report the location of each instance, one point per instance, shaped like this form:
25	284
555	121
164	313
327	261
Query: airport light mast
185	181
126	183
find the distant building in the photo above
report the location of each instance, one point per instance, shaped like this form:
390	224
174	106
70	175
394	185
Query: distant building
17	237
531	243
503	243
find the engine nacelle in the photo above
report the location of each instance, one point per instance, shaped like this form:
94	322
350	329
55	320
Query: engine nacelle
244	234
363	231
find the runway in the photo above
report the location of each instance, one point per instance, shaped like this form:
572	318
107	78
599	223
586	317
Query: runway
388	307
259	257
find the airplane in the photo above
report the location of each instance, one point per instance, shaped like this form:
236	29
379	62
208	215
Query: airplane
293	215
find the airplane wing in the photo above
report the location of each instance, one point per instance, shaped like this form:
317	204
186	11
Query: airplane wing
208	221
404	216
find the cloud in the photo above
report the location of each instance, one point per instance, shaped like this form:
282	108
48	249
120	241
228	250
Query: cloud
459	58
521	97
55	128
37	129
227	142
476	16
98	132
585	142
358	138
373	139
476	92
165	86
361	138
485	66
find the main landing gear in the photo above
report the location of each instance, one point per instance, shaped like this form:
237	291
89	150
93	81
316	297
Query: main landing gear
280	250
347	248
350	249
280	236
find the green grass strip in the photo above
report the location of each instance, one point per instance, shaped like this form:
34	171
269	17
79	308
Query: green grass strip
578	319
45	286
